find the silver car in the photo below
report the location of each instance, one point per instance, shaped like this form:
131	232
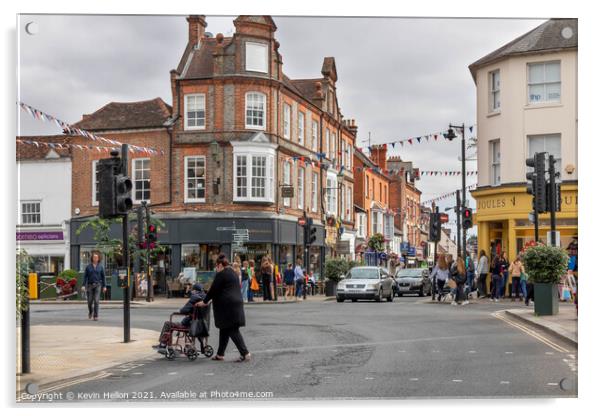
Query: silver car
413	281
372	283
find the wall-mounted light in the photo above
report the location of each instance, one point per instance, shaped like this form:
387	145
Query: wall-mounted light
214	147
216	183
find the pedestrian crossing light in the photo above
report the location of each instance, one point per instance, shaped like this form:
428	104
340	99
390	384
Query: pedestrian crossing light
536	181
435	227
151	236
123	195
467	218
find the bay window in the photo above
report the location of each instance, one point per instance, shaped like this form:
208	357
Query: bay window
253	171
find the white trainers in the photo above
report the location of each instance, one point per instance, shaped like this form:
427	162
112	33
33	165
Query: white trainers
454	303
465	302
497	300
490	299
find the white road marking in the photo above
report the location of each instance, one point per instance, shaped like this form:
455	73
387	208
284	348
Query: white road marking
249	375
457	381
328	377
137	374
369	378
287	376
209	374
401	351
413	379
173	373
471	352
552	384
509	352
504	382
435	350
549	353
334	350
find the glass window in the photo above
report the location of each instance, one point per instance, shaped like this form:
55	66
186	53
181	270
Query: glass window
255	110
256	57
241	176
95	182
258	176
286	120
331	194
141	168
549	143
195	178
314	192
194	111
30	212
260	169
496	177
327	145
314	135
287	181
349	206
544	82
301	127
301	188
494	90
200	256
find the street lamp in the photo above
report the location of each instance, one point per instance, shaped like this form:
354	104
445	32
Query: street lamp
450	136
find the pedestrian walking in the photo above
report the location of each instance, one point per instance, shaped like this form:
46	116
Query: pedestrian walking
497	279
299	279
94	282
289	281
266	278
441	273
228	309
505	267
516	270
245	279
470	276
312	283
458	274
254	284
482	270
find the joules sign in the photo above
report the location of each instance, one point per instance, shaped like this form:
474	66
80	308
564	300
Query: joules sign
39	235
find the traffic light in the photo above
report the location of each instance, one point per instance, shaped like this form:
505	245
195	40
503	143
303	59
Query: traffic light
309	232
435	227
467	218
107	169
536	184
123	194
554	199
151	236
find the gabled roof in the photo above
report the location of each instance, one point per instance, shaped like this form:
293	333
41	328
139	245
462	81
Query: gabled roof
329	69
553	35
305	87
25	151
132	115
198	62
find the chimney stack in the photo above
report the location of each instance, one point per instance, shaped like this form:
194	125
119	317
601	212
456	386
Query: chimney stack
196	27
378	154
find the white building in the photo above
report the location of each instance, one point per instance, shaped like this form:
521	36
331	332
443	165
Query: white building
44	203
526	95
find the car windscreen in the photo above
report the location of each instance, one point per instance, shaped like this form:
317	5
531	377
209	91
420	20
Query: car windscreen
410	273
362	274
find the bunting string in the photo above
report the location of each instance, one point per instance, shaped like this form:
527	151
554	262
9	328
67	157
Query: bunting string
427	137
70	146
428	202
40	115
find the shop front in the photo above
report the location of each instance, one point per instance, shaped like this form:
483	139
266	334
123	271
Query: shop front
502	218
47	248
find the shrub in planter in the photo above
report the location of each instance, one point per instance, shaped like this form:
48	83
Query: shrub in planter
545	266
334	268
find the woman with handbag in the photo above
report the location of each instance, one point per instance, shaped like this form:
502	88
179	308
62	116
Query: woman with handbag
515	270
266	278
254	286
441	272
458	275
497	279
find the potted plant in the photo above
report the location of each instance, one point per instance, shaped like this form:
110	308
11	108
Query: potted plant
334	271
545	266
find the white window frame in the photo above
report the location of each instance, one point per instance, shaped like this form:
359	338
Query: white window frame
348	205
94	186
301	188
264	114
186	159
544	83
21	211
186	119
327	142
333	144
301	127
286	121
256	63
314	192
314	135
248	150
331	193
138	201
287	170
495	165
494	92
546	138
361	224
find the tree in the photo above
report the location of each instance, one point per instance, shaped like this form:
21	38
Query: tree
23	267
545	264
377	242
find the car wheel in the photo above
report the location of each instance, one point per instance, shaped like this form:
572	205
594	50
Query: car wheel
400	294
340	299
379	298
353	300
421	293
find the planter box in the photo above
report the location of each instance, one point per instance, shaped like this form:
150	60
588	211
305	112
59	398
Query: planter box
546	299
330	289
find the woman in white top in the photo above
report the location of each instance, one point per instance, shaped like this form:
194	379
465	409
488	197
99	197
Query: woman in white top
482	270
441	271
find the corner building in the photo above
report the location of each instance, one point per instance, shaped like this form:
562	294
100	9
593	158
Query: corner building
526	103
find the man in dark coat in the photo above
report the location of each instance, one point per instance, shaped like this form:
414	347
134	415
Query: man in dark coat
228	309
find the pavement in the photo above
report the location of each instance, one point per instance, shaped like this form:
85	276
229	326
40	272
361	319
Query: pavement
62	352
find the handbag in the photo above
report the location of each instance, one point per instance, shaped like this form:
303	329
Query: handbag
196	328
254	285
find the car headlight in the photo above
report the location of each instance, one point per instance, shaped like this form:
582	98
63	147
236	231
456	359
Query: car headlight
341	285
372	286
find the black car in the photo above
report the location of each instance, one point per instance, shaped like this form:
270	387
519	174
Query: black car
413	281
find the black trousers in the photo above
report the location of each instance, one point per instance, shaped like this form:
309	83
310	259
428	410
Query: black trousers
459	293
482	286
515	290
224	337
266	281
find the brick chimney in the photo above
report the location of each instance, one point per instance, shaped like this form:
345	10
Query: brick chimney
196	27
378	154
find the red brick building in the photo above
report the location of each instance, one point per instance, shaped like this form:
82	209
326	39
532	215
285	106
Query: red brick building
237	131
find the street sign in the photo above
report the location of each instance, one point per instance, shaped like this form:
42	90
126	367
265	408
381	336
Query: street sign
412	252
405	246
343	247
443	218
301	221
549	238
287	192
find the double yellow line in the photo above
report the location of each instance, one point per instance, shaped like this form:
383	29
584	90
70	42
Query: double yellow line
530	332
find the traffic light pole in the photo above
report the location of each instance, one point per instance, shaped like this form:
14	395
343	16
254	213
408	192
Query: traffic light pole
552	199
463	189
126	257
139	238
458	224
434	282
149	282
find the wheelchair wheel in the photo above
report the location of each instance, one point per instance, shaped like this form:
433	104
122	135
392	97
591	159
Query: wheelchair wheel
208	352
192	355
170	354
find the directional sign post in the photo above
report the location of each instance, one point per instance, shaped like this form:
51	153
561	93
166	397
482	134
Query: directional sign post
443	218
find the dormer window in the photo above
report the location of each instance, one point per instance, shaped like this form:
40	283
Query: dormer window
256	57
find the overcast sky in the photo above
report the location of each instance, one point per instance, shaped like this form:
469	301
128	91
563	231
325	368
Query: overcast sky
398	78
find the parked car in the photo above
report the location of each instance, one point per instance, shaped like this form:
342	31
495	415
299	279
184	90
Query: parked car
366	282
413	281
